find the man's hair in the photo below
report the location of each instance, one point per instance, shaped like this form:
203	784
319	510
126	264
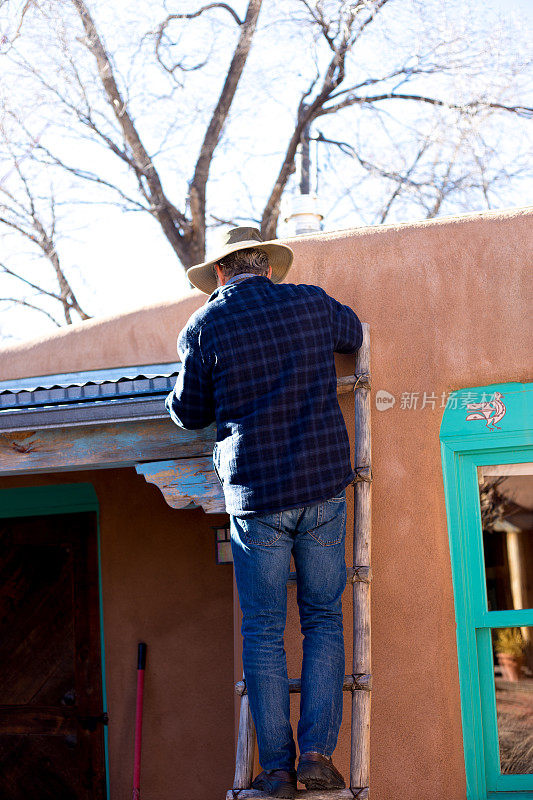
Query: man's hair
247	260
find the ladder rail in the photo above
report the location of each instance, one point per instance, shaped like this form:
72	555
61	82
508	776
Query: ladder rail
362	520
244	757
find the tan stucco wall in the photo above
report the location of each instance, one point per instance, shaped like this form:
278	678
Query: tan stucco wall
161	585
447	302
453	266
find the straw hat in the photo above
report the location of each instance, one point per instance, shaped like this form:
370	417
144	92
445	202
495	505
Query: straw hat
279	257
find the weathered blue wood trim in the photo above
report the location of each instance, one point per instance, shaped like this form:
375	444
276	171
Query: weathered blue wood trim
186	483
97	446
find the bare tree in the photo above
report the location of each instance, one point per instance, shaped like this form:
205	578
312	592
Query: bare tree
23	213
98	93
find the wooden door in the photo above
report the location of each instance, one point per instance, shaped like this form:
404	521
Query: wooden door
51	720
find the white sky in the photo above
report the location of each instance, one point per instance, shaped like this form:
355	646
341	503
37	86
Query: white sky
126	256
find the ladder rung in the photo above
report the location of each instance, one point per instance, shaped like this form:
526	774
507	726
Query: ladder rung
295	684
353	575
304	794
349	383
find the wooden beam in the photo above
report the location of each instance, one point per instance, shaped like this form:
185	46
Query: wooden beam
96	446
186	481
117	444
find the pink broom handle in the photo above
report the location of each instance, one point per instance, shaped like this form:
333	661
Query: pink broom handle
141	664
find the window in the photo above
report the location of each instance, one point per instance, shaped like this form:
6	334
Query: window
487	460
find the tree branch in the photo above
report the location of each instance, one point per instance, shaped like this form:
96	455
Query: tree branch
21	302
388	205
68	298
473	106
194	14
32	228
29	283
17	227
174	226
368	166
160	32
90	176
214	129
340	43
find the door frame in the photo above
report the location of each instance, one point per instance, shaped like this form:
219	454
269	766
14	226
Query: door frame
465	445
63	498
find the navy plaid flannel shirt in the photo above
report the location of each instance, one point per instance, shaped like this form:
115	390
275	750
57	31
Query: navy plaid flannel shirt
257	359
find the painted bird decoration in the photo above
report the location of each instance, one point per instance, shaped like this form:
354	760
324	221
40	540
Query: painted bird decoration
492	411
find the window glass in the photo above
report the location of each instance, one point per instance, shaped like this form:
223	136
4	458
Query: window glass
506	502
513	683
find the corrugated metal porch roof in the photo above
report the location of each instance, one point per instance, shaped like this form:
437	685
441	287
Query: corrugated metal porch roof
82	398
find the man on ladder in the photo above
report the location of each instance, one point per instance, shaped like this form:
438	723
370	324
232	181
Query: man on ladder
257	358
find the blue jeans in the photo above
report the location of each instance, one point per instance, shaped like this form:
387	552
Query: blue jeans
262	547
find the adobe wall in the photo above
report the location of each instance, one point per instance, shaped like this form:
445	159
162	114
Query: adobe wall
161	585
447	302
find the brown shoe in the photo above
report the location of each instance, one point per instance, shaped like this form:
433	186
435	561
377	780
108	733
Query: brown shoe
276	783
316	771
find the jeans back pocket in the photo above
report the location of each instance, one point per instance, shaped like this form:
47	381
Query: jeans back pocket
331	521
263	529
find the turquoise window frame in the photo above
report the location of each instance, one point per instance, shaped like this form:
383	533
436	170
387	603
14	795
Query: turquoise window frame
63	498
465	445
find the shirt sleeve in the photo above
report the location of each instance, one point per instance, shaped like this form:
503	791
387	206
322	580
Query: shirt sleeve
191	403
346	326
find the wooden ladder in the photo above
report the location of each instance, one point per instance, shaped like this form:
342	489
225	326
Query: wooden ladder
358	577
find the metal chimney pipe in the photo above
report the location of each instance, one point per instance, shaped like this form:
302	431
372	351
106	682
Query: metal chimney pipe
305	215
